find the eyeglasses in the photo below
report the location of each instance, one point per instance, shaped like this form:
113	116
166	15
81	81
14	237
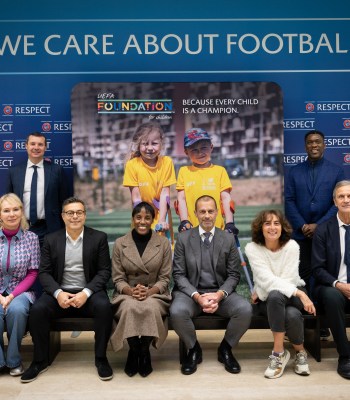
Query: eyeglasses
70	213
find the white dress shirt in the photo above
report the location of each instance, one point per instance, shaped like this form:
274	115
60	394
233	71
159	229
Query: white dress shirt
40	189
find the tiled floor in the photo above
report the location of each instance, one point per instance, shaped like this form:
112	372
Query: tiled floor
73	375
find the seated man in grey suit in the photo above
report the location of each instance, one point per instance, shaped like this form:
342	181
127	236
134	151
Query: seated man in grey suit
206	273
74	269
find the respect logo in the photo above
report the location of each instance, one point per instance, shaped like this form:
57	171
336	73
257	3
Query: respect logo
310	107
46	126
7	110
346	123
8	146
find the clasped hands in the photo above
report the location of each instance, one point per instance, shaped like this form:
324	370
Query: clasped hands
139	292
344	289
209	301
5	301
308	230
76	300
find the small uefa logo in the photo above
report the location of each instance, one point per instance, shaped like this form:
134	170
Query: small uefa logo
46	127
7	110
8	146
310	107
346	123
347	158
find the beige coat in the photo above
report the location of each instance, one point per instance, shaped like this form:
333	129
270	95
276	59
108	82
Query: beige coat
148	317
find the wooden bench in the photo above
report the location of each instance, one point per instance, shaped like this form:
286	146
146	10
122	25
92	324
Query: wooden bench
202	322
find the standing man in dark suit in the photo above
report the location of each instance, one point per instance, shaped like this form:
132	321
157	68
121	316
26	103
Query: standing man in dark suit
331	269
308	197
74	270
41	186
206	274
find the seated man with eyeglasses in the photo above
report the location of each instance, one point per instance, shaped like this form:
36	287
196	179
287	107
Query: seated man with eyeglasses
75	267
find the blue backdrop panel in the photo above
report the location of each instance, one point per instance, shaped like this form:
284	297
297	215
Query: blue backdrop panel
46	49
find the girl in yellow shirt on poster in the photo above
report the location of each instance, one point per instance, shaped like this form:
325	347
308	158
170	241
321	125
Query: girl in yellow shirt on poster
149	175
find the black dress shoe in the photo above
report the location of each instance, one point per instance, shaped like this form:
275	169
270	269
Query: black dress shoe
226	357
104	370
33	371
132	363
145	365
344	367
193	358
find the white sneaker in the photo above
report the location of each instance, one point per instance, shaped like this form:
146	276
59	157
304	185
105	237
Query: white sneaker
17	371
277	365
301	367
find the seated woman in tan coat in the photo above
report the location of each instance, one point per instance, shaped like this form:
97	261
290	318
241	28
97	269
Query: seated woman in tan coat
141	269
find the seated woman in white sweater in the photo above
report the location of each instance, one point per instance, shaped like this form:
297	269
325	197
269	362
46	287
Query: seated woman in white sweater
278	288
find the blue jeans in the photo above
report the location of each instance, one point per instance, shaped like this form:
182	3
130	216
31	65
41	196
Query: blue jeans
16	321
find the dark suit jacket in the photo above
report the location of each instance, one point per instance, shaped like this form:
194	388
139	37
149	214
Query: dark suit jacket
187	261
306	206
55	190
96	260
326	255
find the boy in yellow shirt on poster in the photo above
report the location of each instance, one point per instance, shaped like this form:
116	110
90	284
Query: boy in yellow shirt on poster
203	178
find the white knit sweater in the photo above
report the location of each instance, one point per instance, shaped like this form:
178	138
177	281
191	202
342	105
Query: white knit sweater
274	270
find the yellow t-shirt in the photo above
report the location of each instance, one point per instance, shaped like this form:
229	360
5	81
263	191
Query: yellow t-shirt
197	182
150	180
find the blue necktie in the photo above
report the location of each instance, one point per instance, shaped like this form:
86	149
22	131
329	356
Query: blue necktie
347	251
33	197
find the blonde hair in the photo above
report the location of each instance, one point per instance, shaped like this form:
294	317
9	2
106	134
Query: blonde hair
142	132
14	199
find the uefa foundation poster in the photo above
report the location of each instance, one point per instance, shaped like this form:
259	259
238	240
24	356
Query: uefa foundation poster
243	119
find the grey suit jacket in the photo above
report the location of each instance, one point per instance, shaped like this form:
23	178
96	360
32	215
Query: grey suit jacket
187	261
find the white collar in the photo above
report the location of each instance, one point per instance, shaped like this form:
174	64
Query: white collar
40	164
202	231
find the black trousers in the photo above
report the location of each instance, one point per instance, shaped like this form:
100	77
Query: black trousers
47	308
336	305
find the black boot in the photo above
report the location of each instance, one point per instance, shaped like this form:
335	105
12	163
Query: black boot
145	365
132	362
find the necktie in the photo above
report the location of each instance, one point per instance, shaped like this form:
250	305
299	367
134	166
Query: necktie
33	197
347	250
206	238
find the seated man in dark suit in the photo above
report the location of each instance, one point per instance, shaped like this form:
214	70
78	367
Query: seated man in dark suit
206	273
331	269
75	267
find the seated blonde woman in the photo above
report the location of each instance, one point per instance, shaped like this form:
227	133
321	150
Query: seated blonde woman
19	258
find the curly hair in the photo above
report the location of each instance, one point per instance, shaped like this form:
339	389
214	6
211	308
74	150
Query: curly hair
263	216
